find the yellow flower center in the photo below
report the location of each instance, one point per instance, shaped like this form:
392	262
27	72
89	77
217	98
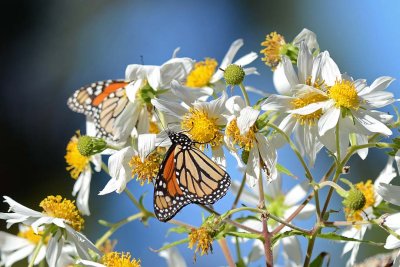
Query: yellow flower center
154	128
146	170
272	51
344	94
76	162
245	141
57	207
367	188
201	75
305	100
116	259
201	127
202	236
30	235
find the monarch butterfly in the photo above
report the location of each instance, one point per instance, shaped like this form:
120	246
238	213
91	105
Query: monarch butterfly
187	176
103	101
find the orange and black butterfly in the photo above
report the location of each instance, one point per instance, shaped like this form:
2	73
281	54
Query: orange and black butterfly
103	101
187	176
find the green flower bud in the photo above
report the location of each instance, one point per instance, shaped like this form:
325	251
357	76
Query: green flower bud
89	146
355	200
234	74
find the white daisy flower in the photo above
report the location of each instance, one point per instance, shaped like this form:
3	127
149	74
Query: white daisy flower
17	247
305	86
242	132
80	169
201	120
207	75
352	104
128	162
281	204
373	199
60	221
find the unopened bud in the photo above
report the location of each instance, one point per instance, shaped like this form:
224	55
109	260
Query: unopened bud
355	200
234	74
88	145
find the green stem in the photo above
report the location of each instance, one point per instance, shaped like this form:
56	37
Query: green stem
104	167
39	245
115	227
310	248
237	246
245	95
239	193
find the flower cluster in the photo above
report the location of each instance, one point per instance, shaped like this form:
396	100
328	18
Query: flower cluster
178	126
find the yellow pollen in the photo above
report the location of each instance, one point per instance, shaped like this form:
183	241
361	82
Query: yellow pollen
30	235
201	75
203	237
344	94
57	207
202	128
76	162
154	128
305	100
246	141
117	259
145	170
272	51
319	84
367	188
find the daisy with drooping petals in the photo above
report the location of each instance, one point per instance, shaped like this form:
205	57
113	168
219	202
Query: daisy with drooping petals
258	154
201	120
208	75
276	48
112	259
128	163
60	221
305	86
80	170
280	204
373	199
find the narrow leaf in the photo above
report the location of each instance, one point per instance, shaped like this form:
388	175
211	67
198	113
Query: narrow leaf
283	170
170	245
336	237
319	260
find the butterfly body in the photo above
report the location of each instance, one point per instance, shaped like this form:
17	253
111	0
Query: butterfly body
103	102
187	176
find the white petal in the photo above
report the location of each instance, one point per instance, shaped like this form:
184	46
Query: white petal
267	152
9	242
146	145
89	263
290	74
389	193
380	84
218	156
378	99
392	242
328	120
304	63
307	36
172	108
54	249
280	81
18	208
125	122
392	221
253	167
234	105
364	120
362	140
329	71
247	118
190	95
246	59
18	255
83	189
277	103
311	108
387	174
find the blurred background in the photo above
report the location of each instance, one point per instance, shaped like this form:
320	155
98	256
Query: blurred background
51	48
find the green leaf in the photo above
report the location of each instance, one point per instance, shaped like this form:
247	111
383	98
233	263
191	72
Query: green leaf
319	260
240	263
336	237
283	170
178	230
287	234
245	235
170	245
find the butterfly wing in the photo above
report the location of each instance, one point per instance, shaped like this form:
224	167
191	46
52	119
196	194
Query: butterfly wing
200	179
103	101
168	196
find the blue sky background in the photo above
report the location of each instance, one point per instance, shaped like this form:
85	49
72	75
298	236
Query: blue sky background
51	48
